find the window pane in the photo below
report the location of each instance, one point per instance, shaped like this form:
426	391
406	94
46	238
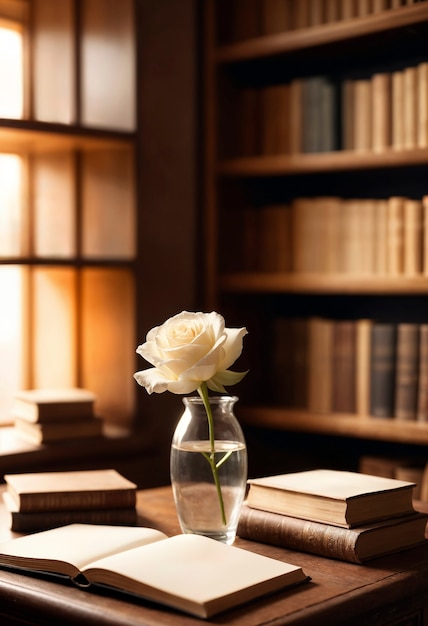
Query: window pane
54	327
53	54
108	204
108	337
11	71
54	204
11	210
108	64
12	337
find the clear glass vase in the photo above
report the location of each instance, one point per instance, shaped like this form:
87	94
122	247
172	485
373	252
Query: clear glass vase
209	469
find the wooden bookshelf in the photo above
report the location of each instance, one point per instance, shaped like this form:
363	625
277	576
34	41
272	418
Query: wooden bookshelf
239	175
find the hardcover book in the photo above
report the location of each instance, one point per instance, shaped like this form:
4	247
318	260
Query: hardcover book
355	545
341	498
46	405
65	491
191	573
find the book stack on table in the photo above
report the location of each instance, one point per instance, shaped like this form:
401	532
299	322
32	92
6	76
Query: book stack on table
44	500
48	415
341	515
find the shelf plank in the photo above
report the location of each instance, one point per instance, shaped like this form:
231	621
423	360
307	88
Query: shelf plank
315	163
241	282
337	424
322	35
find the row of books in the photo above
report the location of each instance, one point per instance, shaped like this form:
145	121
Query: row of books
52	415
387	237
341	515
41	500
402	468
380	112
352	366
254	18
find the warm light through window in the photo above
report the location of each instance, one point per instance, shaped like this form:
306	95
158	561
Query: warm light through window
11	72
11	226
11	336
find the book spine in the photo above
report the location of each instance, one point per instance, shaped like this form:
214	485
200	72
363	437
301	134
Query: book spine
422	410
413	237
381	117
382	371
69	501
295	534
343	372
406	383
30	522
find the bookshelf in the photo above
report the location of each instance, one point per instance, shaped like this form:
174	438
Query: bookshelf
244	60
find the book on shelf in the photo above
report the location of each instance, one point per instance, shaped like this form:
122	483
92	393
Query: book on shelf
382	369
43	520
362	365
276	16
413	237
397	110
395	235
381	111
147	563
344	364
362	121
407	371
422	403
71	490
52	405
335	497
58	431
320	365
410	102
356	545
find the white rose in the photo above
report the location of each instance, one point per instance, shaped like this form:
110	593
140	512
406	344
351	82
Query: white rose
188	349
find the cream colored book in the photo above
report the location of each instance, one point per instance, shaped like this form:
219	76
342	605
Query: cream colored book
341	498
190	573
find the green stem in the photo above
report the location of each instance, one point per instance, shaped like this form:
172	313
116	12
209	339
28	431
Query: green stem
203	392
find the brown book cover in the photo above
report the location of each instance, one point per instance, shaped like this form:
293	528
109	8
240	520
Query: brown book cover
347	121
356	545
344	366
65	491
276	16
43	520
320	363
425	235
422	407
296	116
58	431
290	359
382	369
275	113
407	371
52	405
335	497
275	238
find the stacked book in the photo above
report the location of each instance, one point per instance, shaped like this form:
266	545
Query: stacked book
341	515
44	500
49	415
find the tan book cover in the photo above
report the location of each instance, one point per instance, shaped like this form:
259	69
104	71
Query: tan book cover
395	236
425	235
362	366
413	237
397	110
356	545
335	497
46	405
410	104
422	106
62	491
362	128
380	210
145	562
381	112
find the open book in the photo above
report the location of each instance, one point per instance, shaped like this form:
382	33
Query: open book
190	573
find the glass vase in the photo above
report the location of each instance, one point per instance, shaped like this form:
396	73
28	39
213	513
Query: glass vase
209	468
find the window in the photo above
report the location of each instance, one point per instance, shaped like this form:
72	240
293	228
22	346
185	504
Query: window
68	201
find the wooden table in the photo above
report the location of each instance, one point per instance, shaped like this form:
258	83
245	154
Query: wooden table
391	590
